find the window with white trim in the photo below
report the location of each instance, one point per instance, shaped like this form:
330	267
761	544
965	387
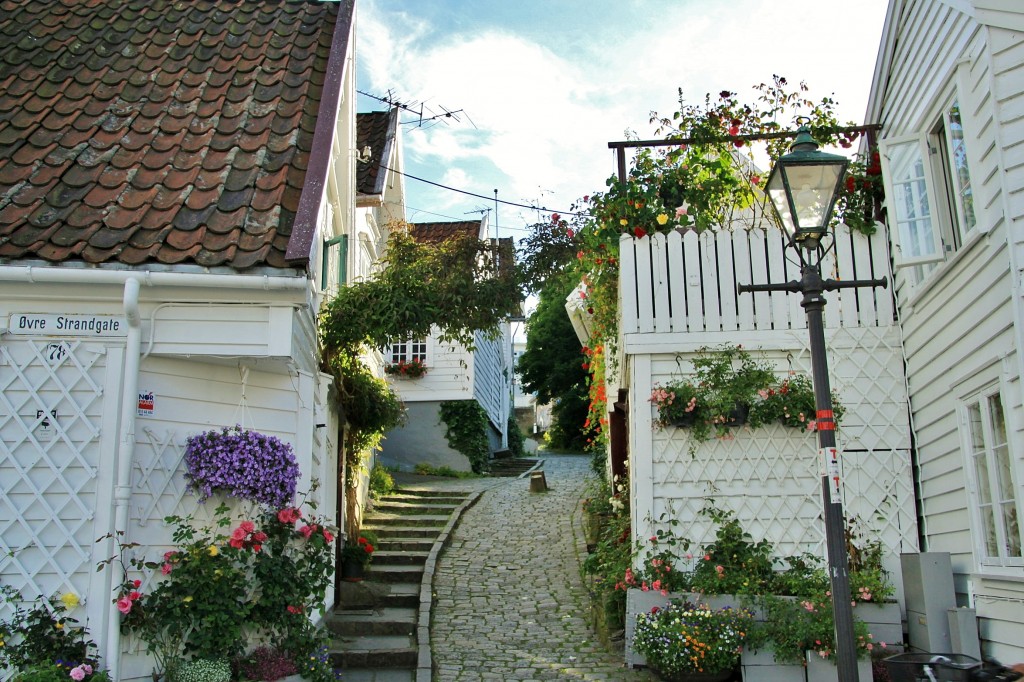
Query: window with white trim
408	351
996	509
929	191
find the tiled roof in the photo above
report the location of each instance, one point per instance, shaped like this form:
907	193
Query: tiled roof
155	131
376	130
433	233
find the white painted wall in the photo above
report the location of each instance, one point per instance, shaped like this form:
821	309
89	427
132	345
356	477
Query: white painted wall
962	318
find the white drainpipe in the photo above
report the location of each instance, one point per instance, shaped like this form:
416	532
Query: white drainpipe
125	456
132	281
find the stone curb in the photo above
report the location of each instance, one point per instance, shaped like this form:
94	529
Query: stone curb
425	661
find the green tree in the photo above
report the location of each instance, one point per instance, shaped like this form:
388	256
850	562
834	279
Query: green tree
554	367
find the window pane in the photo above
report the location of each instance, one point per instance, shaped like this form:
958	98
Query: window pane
961	174
1004	478
988	527
911	207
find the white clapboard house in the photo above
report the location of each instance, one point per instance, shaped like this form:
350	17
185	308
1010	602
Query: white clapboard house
454	372
949	92
169	196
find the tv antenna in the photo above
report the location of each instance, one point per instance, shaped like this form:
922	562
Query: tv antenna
419	109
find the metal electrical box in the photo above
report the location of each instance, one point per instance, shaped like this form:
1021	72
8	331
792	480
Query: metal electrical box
928	588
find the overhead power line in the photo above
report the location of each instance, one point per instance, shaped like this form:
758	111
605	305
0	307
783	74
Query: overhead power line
488	198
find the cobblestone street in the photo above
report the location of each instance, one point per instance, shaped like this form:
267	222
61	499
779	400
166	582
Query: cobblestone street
510	604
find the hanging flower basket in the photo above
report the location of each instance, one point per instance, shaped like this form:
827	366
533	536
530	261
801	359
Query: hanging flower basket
241	463
407	369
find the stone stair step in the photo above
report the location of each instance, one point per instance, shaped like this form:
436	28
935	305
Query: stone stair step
395	573
386	544
452	500
378	675
405	557
436	520
401	532
374	651
412	508
386	621
419	492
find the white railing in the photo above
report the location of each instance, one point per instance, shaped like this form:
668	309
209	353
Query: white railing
687	283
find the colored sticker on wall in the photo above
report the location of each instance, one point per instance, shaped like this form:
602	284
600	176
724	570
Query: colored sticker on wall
147	403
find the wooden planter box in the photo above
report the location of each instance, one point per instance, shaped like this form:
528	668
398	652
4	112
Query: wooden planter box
823	670
760	666
884	622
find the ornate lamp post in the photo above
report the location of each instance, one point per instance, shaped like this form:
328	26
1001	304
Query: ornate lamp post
803	187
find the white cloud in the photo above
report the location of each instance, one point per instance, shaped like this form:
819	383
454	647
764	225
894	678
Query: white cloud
544	113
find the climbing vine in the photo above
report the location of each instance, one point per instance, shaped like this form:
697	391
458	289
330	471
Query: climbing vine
710	180
466	432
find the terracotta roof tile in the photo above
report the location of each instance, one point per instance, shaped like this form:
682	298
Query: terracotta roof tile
155	131
441	231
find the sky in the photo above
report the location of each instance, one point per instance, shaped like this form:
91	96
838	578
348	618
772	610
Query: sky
537	88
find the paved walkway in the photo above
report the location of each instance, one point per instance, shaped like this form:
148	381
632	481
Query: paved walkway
509	603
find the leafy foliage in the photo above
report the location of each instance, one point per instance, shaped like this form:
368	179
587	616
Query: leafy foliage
516	441
466	431
686	638
456	287
554	367
382	483
43	635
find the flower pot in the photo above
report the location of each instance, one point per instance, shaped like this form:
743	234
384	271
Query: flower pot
694	676
684	420
353	571
738	415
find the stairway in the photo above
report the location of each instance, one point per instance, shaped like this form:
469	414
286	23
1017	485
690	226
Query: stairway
375	626
512	467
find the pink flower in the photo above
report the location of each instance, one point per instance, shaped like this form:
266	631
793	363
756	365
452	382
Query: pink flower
707	557
719	570
169	555
294	609
165	569
734	130
87	668
247	526
238	534
134	595
306	531
680	211
555	217
289	515
77	674
137	583
124	605
328	535
569	233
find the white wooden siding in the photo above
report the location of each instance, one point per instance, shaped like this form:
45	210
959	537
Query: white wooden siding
449	376
491	385
962	322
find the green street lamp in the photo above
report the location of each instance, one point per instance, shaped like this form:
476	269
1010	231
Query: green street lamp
803	187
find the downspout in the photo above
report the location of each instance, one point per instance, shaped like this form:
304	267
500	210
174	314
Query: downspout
125	456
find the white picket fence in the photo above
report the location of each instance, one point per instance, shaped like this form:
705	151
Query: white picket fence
685	282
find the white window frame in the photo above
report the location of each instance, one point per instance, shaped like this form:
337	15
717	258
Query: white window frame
982	494
906	164
411	349
936	187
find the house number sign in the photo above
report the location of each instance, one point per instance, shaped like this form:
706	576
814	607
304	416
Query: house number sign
65	324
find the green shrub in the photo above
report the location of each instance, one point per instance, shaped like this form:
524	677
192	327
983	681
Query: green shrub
381	482
466	431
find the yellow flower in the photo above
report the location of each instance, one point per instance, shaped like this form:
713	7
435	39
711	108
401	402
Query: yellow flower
662	218
187	599
213	550
623	221
70	599
59	626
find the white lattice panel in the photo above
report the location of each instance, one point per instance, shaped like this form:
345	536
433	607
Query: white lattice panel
770	477
51	409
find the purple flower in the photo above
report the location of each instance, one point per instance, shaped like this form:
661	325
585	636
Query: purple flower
242	463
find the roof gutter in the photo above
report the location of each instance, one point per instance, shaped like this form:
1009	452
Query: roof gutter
300	244
55	275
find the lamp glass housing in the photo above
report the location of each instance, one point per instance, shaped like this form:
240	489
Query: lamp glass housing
804	186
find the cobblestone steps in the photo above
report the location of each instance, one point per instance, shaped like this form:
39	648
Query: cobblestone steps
513	466
381	633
